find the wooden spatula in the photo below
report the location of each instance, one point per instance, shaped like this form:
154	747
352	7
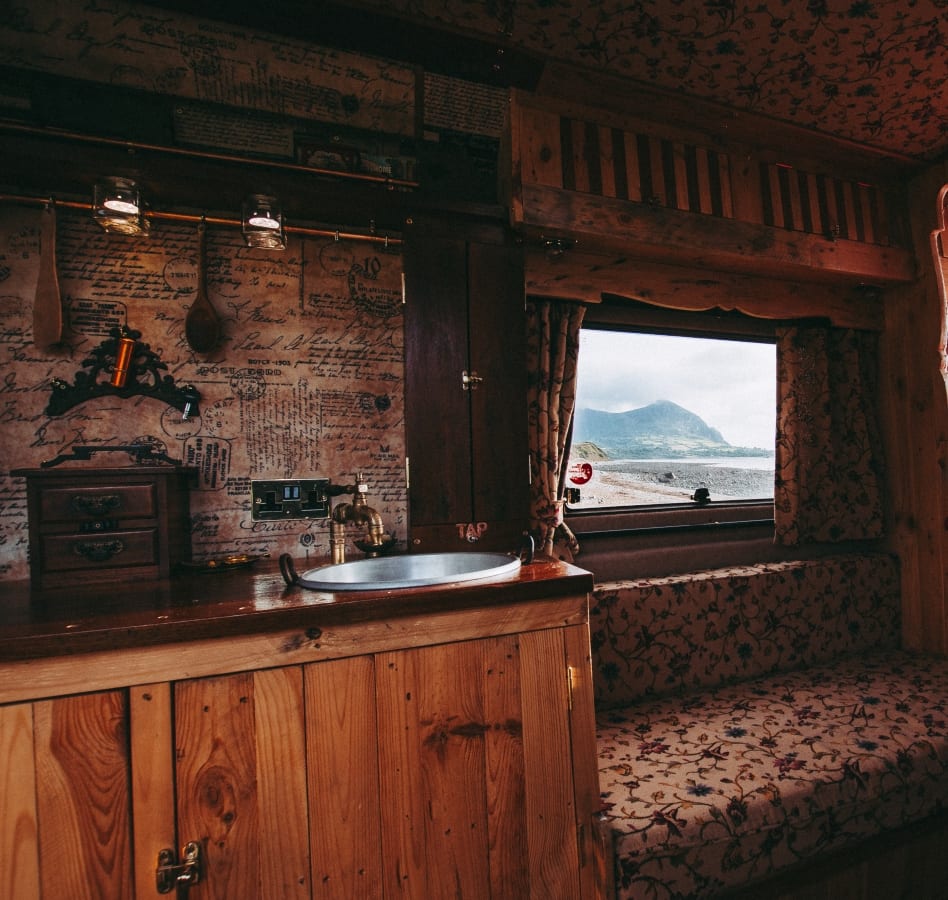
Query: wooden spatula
202	325
47	304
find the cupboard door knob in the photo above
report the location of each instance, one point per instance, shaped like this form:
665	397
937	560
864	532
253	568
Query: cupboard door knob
470	381
98	551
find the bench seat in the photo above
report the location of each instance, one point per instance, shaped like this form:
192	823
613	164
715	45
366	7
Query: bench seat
724	786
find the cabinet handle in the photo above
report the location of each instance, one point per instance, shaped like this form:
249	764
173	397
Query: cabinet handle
94	505
171	875
98	551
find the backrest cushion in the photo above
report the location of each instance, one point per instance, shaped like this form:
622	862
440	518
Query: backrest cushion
657	636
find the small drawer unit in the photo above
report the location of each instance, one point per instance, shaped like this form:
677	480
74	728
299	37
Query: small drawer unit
95	524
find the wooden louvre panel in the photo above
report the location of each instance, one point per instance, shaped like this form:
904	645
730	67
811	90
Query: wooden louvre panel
570	153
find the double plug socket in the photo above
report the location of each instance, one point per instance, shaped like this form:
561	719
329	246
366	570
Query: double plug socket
291	498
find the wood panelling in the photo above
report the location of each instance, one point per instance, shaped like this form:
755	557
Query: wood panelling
342	753
82	800
667	173
664	193
19	838
915	417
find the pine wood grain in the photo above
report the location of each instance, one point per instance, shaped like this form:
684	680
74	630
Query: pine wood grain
216	780
594	874
152	771
34	678
343	781
19	844
550	805
432	771
505	775
83	797
284	865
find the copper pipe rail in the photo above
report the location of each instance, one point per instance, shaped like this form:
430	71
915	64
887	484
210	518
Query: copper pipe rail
335	234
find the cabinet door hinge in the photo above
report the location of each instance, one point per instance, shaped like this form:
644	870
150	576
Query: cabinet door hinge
404	290
569	688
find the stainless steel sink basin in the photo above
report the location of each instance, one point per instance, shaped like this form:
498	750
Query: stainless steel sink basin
412	570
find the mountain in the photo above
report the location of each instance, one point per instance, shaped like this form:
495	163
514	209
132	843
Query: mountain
662	430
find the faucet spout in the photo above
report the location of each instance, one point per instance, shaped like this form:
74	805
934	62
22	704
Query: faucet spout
357	513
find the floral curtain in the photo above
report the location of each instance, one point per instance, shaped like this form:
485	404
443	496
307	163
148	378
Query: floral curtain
552	351
828	451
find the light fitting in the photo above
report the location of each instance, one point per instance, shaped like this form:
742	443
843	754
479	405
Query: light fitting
117	206
262	222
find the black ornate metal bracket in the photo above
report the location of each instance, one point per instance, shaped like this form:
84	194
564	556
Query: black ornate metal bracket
122	366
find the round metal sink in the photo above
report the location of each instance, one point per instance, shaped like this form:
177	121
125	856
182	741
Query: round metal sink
412	570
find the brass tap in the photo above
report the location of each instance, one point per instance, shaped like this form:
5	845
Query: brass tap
358	512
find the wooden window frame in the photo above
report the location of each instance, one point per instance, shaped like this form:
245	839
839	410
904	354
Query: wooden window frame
676	523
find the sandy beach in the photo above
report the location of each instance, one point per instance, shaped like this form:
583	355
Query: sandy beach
631	482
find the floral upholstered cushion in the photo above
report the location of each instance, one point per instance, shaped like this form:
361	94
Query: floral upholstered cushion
661	635
724	787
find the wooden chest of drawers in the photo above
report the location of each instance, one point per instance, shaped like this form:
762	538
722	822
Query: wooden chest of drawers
95	524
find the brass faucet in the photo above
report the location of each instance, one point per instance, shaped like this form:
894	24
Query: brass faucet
358	512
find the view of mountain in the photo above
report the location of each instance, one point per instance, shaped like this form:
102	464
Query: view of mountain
661	430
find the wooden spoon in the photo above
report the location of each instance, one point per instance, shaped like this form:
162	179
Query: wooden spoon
47	305
202	325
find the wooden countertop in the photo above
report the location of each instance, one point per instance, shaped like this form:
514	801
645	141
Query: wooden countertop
124	614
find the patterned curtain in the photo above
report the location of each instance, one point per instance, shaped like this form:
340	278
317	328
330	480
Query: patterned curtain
552	351
828	452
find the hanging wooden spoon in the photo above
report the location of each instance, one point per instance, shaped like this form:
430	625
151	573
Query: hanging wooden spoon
47	304
202	325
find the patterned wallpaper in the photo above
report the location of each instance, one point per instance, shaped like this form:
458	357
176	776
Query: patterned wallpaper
873	71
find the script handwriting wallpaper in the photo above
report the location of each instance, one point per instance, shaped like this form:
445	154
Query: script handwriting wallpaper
307	380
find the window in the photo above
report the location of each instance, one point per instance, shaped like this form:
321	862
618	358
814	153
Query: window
675	413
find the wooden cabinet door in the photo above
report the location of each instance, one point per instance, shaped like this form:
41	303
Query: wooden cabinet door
276	777
240	774
476	779
467	445
65	794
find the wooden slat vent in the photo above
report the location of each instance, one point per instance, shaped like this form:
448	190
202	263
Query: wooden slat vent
615	163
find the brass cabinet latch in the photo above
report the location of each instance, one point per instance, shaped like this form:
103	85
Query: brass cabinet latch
470	381
171	874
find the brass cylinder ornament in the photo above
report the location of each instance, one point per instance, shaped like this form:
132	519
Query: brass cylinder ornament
123	357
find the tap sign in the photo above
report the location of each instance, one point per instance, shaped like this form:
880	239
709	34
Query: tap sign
580	472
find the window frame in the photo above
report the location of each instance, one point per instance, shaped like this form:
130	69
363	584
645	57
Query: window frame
677	521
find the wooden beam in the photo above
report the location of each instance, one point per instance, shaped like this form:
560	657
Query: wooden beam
670	235
586	277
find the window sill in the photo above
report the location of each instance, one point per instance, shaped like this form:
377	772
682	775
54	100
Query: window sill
672	518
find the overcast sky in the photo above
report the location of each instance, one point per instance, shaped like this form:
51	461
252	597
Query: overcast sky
729	384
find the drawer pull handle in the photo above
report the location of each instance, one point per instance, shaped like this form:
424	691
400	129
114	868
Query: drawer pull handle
95	505
98	551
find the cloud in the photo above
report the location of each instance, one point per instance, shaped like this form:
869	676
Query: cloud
729	384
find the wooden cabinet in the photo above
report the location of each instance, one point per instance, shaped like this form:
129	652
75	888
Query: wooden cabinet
106	524
352	762
465	387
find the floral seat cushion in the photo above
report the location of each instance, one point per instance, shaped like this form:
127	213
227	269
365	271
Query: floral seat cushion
724	787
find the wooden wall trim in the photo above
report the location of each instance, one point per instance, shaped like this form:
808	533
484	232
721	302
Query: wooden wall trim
672	236
585	277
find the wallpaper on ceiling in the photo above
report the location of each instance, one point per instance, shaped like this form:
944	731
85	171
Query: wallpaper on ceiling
873	71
